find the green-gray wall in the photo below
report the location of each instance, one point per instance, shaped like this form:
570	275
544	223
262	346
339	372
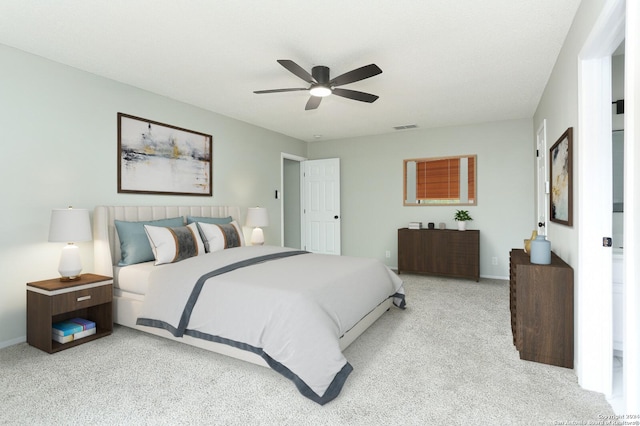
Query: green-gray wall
372	188
59	139
59	148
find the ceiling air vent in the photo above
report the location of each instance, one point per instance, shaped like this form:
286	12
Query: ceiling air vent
405	127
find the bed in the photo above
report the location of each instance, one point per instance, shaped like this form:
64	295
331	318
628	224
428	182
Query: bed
286	309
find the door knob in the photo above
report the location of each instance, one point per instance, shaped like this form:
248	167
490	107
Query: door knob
335	217
541	224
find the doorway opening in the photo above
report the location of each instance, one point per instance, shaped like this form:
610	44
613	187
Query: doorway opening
291	201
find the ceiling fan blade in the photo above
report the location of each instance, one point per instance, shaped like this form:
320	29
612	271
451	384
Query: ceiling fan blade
355	95
278	90
356	75
313	103
297	70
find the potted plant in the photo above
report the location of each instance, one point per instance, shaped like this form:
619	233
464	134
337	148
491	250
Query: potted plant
462	217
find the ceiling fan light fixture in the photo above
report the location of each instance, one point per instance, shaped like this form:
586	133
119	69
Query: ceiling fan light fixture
320	91
321	85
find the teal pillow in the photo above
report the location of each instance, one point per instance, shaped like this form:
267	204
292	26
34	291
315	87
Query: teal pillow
213	220
134	243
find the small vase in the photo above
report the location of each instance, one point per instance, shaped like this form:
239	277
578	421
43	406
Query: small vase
462	225
541	251
527	243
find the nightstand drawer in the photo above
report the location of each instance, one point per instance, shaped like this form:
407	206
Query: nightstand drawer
81	299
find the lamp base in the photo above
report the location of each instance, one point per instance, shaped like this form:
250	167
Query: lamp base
70	264
257	237
66	279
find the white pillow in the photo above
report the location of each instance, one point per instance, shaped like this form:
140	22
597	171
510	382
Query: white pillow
218	237
174	244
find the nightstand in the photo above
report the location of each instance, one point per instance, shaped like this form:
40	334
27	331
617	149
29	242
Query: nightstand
49	301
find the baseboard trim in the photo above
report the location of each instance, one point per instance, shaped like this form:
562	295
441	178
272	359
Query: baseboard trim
494	277
12	342
489	277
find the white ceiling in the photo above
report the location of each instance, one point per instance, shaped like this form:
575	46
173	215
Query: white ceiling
444	62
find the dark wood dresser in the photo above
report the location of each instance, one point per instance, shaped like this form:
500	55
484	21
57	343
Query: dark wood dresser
446	252
541	303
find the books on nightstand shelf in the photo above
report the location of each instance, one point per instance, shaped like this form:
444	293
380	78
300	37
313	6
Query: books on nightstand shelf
73	329
415	225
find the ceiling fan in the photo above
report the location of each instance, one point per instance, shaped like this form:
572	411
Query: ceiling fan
321	86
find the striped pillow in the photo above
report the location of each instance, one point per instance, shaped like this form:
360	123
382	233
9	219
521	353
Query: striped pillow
218	237
173	244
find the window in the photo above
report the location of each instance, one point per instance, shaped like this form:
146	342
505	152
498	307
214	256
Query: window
440	181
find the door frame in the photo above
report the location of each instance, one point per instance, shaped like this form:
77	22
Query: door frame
618	20
594	337
631	374
542	188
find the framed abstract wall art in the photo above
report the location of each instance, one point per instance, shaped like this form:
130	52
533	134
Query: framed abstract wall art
156	158
561	175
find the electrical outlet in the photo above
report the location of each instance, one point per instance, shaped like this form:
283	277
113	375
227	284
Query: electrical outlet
387	254
494	260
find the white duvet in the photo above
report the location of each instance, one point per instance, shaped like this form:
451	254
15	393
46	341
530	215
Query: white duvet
291	311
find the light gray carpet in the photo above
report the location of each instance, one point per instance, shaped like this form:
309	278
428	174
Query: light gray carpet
447	359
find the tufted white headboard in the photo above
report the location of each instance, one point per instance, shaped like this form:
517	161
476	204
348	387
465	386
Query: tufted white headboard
106	244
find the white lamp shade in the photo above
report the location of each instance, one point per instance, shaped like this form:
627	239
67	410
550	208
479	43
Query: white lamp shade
257	217
69	226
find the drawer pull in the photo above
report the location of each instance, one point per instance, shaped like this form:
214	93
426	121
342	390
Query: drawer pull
83	298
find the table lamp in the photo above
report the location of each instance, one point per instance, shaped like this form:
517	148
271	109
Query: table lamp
257	218
70	226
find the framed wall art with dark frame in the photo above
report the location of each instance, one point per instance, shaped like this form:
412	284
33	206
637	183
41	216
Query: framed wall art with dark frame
561	175
157	158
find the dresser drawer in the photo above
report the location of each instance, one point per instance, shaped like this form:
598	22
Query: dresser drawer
80	299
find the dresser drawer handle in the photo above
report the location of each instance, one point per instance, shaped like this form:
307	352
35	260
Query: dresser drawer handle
83	298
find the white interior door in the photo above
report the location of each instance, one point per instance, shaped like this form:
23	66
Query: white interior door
542	181
321	206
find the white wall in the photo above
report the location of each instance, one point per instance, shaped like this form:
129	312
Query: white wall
372	188
559	106
58	134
